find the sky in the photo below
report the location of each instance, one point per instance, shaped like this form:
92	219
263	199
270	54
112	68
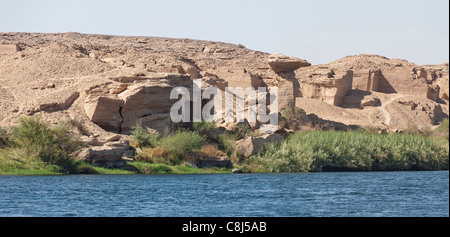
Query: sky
319	31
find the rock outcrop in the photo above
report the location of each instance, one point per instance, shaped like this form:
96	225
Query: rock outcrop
209	162
251	145
104	111
112	83
282	63
9	48
325	84
105	156
430	112
288	87
380	74
143	102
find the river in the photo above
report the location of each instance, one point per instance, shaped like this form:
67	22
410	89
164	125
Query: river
384	194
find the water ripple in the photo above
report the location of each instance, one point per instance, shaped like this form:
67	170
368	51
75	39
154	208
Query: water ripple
315	194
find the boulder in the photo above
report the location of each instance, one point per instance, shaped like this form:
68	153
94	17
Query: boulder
283	63
91	140
62	105
371	101
9	48
157	123
213	161
146	105
117	144
105	156
237	171
251	145
360	99
118	89
113	138
105	112
47	106
202	160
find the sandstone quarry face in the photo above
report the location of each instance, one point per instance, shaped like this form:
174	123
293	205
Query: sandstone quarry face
9	48
105	112
380	74
288	86
112	83
325	84
142	101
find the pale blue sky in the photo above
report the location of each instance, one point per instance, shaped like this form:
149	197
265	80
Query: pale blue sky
320	31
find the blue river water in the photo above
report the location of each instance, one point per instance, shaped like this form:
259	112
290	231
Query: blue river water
377	194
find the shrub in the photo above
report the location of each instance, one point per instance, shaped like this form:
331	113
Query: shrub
226	143
242	131
293	119
38	139
443	130
203	128
4	137
289	112
444	126
142	138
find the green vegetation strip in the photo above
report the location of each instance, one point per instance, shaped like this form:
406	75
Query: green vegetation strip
36	148
318	151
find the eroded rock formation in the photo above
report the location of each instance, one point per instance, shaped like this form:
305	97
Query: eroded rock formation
380	74
142	102
323	83
112	83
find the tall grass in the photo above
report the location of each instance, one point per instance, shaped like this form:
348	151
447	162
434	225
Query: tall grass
354	151
444	129
35	145
180	144
171	149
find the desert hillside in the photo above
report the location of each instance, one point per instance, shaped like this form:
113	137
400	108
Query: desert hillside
111	83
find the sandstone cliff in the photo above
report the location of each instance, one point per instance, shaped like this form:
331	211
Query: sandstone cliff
112	83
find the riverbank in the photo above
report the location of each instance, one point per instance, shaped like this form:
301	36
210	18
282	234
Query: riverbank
131	168
36	148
